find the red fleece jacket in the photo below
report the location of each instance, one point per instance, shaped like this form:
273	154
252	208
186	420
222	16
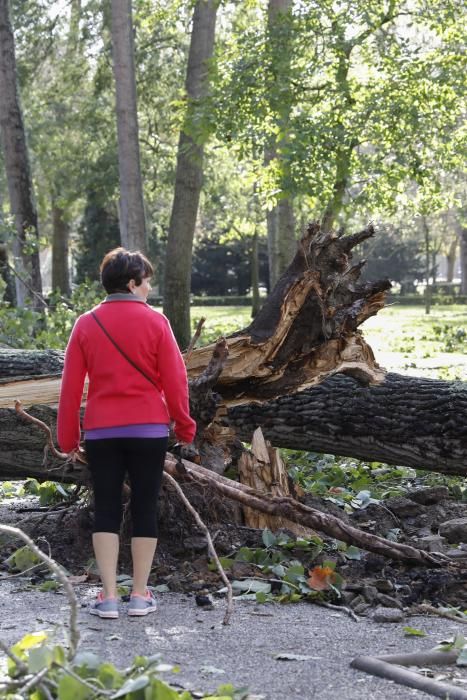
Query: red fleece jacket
118	394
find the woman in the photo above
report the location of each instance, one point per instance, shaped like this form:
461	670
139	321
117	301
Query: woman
137	386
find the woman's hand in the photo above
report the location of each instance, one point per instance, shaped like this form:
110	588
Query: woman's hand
186	450
77	455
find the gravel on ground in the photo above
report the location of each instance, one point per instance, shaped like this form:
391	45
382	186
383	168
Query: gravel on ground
243	653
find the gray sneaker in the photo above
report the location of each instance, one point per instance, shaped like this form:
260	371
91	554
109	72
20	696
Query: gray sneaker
104	607
142	605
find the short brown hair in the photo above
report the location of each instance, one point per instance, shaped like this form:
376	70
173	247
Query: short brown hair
120	266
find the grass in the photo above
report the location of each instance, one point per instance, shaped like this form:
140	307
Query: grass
404	338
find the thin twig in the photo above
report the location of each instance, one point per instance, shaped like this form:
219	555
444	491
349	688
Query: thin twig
95	689
340	608
195	338
28	286
50	443
427	608
35	680
62	577
20	664
211	549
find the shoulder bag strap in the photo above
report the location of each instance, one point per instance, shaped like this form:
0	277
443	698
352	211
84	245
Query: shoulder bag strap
122	352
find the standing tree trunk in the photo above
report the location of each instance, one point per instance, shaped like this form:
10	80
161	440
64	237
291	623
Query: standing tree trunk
345	146
463	246
132	220
188	178
61	231
451	256
280	219
20	189
428	290
9	294
255	300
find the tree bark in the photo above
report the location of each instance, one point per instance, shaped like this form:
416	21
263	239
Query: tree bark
280	219
283	507
463	246
27	363
406	421
132	218
20	188
5	273
255	298
451	259
61	232
188	178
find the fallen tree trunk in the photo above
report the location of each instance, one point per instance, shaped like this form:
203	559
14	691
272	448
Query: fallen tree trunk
406	421
280	373
283	507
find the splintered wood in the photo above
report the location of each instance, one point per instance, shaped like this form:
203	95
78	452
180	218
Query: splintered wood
264	470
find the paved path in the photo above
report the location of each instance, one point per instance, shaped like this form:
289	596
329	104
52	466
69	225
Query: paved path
242	653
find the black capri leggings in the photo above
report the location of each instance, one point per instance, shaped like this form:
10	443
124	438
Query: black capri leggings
109	460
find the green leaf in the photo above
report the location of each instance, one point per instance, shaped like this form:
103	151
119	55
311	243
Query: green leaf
39	658
245	554
22	559
413	632
69	688
278	570
261	597
462	658
162	588
131	685
353	552
269	540
226	563
87	659
109	676
252	586
459	641
50	585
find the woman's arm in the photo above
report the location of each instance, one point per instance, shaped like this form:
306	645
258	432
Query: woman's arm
71	393
174	382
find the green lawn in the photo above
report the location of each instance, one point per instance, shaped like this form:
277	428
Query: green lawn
404	339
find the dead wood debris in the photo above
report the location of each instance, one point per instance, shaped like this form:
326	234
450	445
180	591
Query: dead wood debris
389	667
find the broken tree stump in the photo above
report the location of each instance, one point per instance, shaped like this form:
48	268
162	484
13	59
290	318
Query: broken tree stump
263	469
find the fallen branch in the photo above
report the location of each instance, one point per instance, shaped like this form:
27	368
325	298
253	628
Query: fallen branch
377	666
195	338
297	512
440	612
61	576
211	548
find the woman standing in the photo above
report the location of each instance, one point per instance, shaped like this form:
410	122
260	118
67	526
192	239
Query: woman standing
137	387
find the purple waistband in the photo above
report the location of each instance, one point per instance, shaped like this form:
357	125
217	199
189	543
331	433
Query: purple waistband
139	430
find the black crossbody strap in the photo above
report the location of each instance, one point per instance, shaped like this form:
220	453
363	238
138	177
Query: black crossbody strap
122	352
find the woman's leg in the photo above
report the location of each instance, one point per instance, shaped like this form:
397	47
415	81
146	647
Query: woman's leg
145	462
107	466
